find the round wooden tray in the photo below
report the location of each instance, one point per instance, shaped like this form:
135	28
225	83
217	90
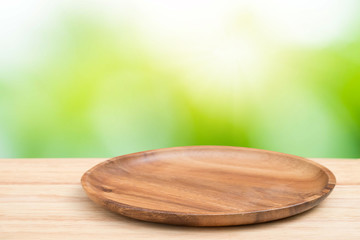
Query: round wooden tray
208	185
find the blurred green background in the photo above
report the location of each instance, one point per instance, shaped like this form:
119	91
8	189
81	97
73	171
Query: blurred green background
100	79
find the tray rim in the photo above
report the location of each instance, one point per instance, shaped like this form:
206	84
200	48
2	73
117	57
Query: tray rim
312	201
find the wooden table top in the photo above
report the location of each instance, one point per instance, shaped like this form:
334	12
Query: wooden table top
43	199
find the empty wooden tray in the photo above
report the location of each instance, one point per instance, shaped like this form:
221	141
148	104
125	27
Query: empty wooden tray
208	185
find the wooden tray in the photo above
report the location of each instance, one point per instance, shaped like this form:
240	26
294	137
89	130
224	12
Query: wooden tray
208	185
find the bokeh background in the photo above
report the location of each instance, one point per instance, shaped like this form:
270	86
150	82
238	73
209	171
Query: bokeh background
104	78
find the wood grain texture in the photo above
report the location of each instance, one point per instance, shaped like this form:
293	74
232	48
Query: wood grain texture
31	207
208	185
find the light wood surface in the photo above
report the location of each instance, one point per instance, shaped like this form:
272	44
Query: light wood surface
43	199
208	185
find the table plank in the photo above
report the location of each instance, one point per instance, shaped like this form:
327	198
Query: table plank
46	203
346	170
45	170
51	170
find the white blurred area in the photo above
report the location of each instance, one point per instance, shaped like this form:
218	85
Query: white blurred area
219	37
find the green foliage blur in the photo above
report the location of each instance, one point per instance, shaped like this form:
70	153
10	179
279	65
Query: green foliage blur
94	89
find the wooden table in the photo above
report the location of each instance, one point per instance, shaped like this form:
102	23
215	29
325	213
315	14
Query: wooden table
43	199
